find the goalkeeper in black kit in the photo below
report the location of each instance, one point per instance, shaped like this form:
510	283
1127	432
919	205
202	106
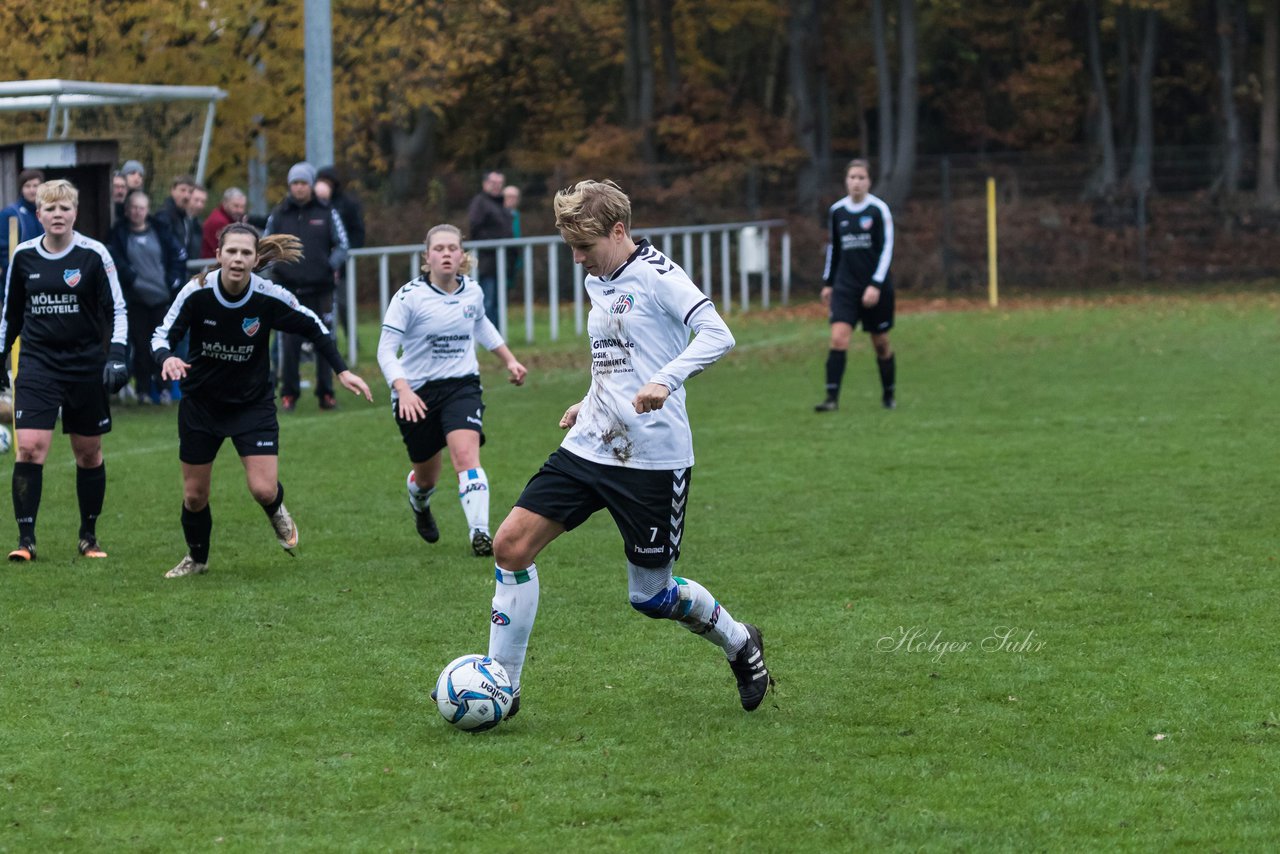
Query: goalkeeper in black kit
226	387
62	296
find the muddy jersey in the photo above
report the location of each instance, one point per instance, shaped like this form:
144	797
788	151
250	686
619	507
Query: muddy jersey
229	350
861	245
429	334
66	306
640	321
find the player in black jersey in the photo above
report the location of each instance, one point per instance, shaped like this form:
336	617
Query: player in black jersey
857	286
62	296
226	387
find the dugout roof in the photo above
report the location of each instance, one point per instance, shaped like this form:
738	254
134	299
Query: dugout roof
59	97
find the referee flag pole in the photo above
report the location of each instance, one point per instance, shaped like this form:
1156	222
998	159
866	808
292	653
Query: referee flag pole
993	296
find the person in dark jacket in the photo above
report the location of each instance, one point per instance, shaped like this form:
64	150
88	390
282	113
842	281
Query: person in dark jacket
24	211
311	279
352	213
151	267
174	212
488	219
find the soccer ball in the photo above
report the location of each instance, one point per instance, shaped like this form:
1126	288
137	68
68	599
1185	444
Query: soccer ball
473	693
6	441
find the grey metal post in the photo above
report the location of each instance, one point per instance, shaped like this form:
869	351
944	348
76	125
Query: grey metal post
744	279
786	267
384	280
351	310
204	143
666	245
764	278
707	275
686	252
318	66
726	296
553	289
501	255
527	255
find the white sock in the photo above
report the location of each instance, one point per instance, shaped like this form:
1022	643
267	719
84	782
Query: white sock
701	614
515	604
473	492
418	496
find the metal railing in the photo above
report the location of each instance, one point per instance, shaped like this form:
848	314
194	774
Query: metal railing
714	253
705	252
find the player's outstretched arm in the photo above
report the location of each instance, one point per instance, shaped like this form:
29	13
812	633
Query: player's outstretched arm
355	385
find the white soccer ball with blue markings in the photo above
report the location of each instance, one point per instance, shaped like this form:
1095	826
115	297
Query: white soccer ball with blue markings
473	693
6	440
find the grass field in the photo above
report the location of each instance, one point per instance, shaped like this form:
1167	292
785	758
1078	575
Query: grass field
1032	609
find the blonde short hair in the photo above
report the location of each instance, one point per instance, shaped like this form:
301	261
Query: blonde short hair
468	259
59	190
589	209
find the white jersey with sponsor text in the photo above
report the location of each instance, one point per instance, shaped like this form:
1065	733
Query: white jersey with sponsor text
639	323
428	334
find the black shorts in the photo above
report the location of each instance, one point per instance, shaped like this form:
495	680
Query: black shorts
452	404
252	428
38	395
847	307
647	506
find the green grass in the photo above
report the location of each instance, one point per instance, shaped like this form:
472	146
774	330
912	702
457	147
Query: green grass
1099	476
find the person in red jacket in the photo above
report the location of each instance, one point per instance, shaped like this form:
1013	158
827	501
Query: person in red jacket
231	209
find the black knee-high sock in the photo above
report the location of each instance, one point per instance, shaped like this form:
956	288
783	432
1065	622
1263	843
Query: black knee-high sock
888	375
835	372
28	483
91	491
275	502
197	526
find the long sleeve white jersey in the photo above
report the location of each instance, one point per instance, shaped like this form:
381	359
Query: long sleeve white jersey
429	334
640	320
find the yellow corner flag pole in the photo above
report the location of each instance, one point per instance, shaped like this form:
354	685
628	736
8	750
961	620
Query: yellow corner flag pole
993	295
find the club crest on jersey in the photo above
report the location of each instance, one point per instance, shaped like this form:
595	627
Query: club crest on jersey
71	277
865	222
250	325
623	304
470	312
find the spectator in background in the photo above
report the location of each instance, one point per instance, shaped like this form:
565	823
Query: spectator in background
195	210
231	209
25	211
511	201
134	177
329	189
489	220
119	189
151	266
174	212
311	278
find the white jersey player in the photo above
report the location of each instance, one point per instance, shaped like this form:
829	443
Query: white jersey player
629	449
428	355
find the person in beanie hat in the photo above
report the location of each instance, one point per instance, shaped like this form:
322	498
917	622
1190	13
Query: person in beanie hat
311	278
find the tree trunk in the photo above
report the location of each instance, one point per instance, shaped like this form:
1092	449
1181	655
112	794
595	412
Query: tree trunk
1227	183
1144	142
805	77
1268	136
638	77
672	83
413	156
884	91
1103	182
904	151
1124	75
